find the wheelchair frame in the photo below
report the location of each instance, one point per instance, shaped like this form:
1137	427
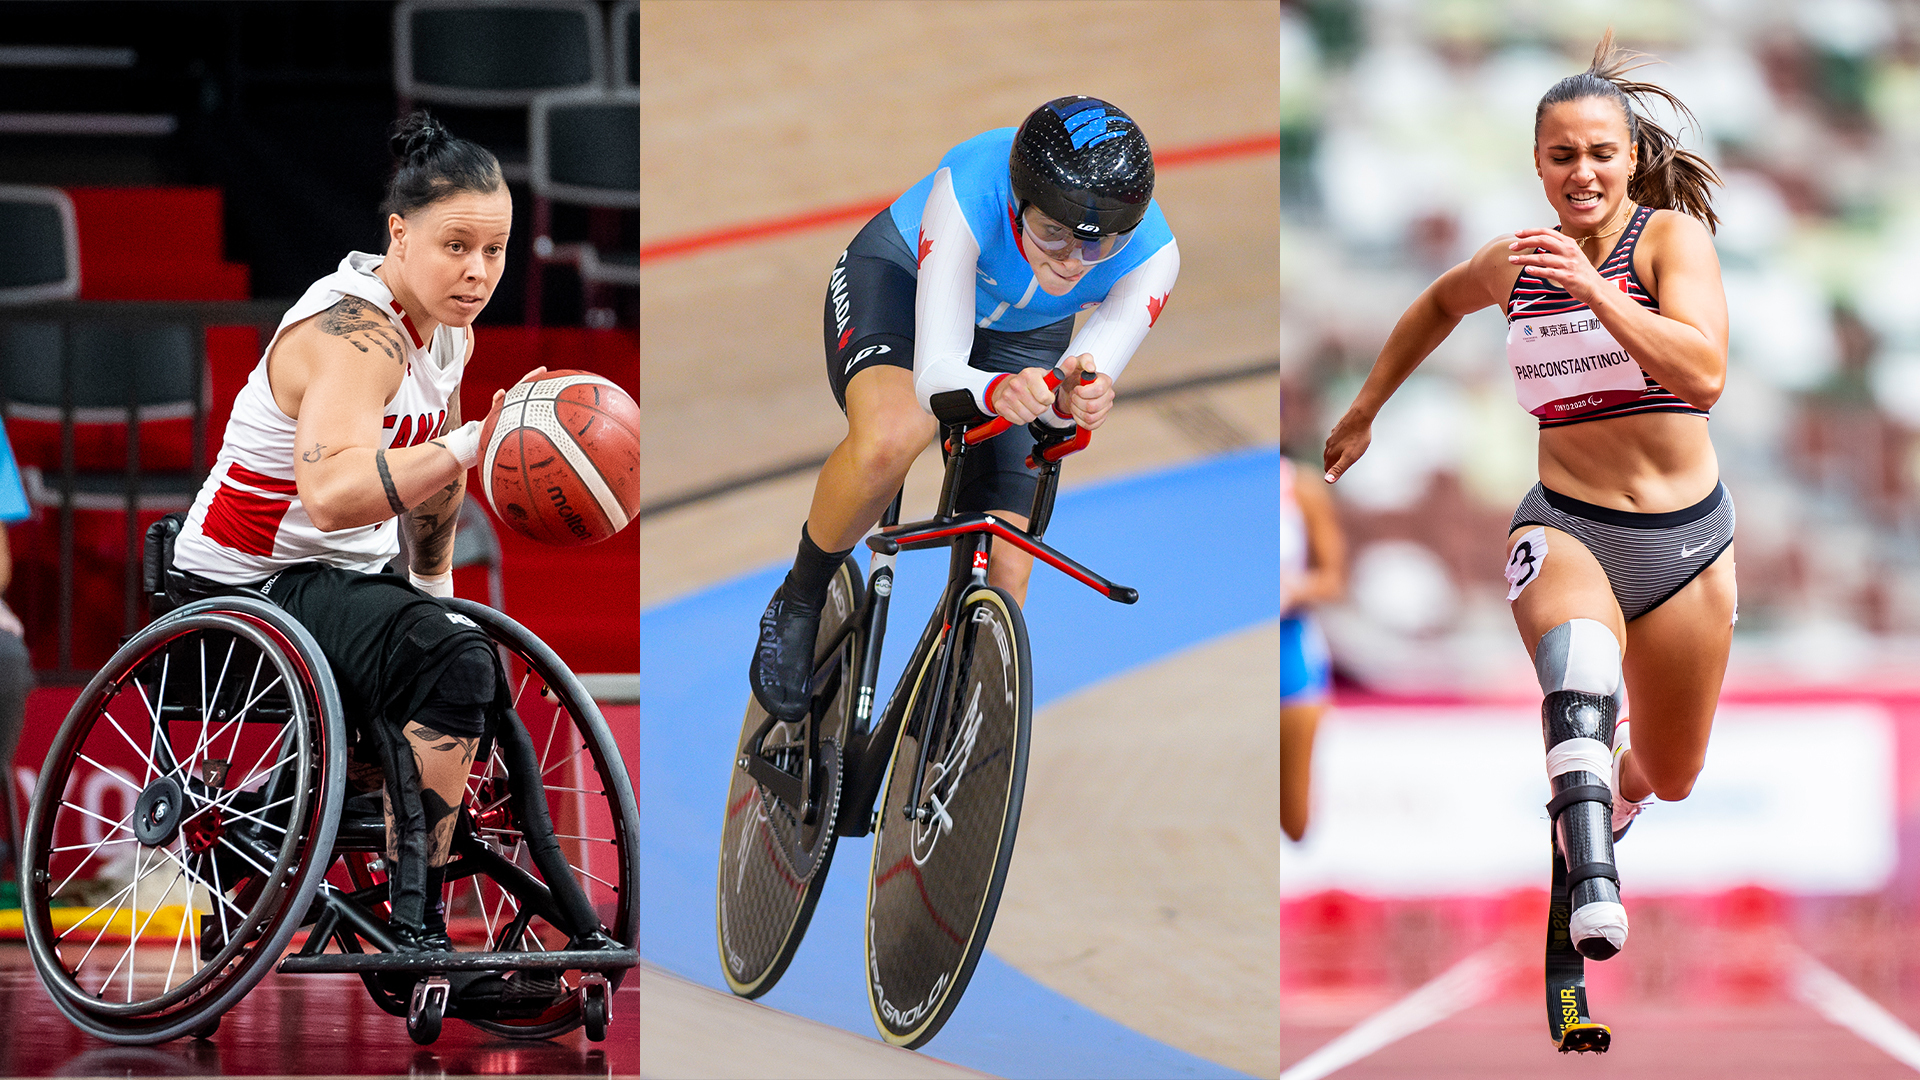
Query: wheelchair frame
187	815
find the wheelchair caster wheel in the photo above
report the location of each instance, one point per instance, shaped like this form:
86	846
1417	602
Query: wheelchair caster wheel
596	1008
427	1009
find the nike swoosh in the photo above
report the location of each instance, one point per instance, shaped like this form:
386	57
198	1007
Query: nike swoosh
1689	552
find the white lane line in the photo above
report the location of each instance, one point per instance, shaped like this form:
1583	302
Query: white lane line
1460	986
1841	1002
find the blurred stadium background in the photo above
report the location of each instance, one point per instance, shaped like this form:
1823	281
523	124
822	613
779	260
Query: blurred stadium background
1406	136
175	174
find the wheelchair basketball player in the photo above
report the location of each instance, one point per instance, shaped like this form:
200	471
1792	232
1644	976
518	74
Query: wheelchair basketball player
347	430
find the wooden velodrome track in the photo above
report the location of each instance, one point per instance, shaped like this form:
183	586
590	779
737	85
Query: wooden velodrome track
754	112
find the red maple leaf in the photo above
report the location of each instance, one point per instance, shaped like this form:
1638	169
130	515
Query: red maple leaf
926	245
1154	306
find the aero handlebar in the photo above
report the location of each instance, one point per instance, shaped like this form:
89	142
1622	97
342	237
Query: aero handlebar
982	432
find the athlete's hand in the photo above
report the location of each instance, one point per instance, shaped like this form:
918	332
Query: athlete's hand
500	396
1555	256
1088	402
1348	440
1022	396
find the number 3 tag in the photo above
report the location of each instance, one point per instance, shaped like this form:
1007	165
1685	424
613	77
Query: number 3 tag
1523	562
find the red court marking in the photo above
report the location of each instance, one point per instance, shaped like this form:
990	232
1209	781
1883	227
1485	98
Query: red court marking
1251	146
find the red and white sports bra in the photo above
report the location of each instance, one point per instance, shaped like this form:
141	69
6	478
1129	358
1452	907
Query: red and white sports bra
1567	368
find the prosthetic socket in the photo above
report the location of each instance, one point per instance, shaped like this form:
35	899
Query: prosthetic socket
1578	663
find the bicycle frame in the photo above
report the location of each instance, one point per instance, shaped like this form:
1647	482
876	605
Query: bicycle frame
968	535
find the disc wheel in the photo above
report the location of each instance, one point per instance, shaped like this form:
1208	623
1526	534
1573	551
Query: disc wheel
183	820
773	863
941	852
590	802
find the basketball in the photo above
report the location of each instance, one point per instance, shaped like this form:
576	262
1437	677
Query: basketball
561	462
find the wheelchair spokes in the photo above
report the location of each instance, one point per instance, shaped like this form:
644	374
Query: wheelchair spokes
181	797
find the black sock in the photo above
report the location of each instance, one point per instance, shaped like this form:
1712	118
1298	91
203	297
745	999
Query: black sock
812	572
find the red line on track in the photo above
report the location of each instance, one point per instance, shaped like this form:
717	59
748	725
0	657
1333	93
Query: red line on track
672	247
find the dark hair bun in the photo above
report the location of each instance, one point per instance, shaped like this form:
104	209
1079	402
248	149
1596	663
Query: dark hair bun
432	163
417	135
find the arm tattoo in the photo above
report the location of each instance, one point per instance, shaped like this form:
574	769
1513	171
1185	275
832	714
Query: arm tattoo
433	524
313	455
386	481
361	324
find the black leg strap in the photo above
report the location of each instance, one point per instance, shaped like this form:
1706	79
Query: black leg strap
407	880
536	826
1579	793
1588	870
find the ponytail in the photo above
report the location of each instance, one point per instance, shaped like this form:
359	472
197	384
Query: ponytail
1668	177
431	164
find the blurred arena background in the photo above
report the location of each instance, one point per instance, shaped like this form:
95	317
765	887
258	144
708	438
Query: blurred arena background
1774	912
1136	936
210	161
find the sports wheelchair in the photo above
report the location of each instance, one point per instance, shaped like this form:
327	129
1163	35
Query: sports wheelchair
196	819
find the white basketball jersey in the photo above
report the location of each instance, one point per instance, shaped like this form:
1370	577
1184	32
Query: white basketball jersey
248	522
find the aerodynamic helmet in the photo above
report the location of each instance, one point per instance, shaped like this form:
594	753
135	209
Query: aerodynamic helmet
1085	164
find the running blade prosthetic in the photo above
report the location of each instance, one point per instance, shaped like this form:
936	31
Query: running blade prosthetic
1567	1020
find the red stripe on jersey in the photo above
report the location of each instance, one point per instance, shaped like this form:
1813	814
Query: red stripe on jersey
241	474
407	322
244	521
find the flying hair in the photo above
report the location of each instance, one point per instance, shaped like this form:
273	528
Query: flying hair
1668	177
431	164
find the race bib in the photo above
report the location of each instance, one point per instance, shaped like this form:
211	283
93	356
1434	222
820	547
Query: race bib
1565	365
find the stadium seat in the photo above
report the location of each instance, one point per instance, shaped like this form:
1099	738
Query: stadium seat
96	365
585	148
494	55
39	245
626	44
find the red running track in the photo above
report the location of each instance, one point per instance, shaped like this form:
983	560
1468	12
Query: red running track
1745	983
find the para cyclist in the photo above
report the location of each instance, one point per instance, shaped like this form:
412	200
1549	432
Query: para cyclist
970	282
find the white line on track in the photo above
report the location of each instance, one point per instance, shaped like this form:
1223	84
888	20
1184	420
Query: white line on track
1460	986
1839	1001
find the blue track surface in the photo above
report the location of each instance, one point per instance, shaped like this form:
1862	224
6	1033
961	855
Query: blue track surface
1199	542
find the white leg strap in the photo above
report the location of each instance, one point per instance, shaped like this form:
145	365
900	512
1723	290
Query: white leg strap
1580	755
1602	918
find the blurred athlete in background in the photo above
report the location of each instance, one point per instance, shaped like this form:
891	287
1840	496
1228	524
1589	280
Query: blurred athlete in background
1313	564
16	678
1620	561
969	283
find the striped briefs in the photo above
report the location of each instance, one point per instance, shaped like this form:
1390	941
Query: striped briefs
1647	557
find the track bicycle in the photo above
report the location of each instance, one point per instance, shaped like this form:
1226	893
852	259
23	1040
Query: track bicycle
947	758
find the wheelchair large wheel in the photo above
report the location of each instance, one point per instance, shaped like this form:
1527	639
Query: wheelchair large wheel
596	821
941	851
183	820
767	890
